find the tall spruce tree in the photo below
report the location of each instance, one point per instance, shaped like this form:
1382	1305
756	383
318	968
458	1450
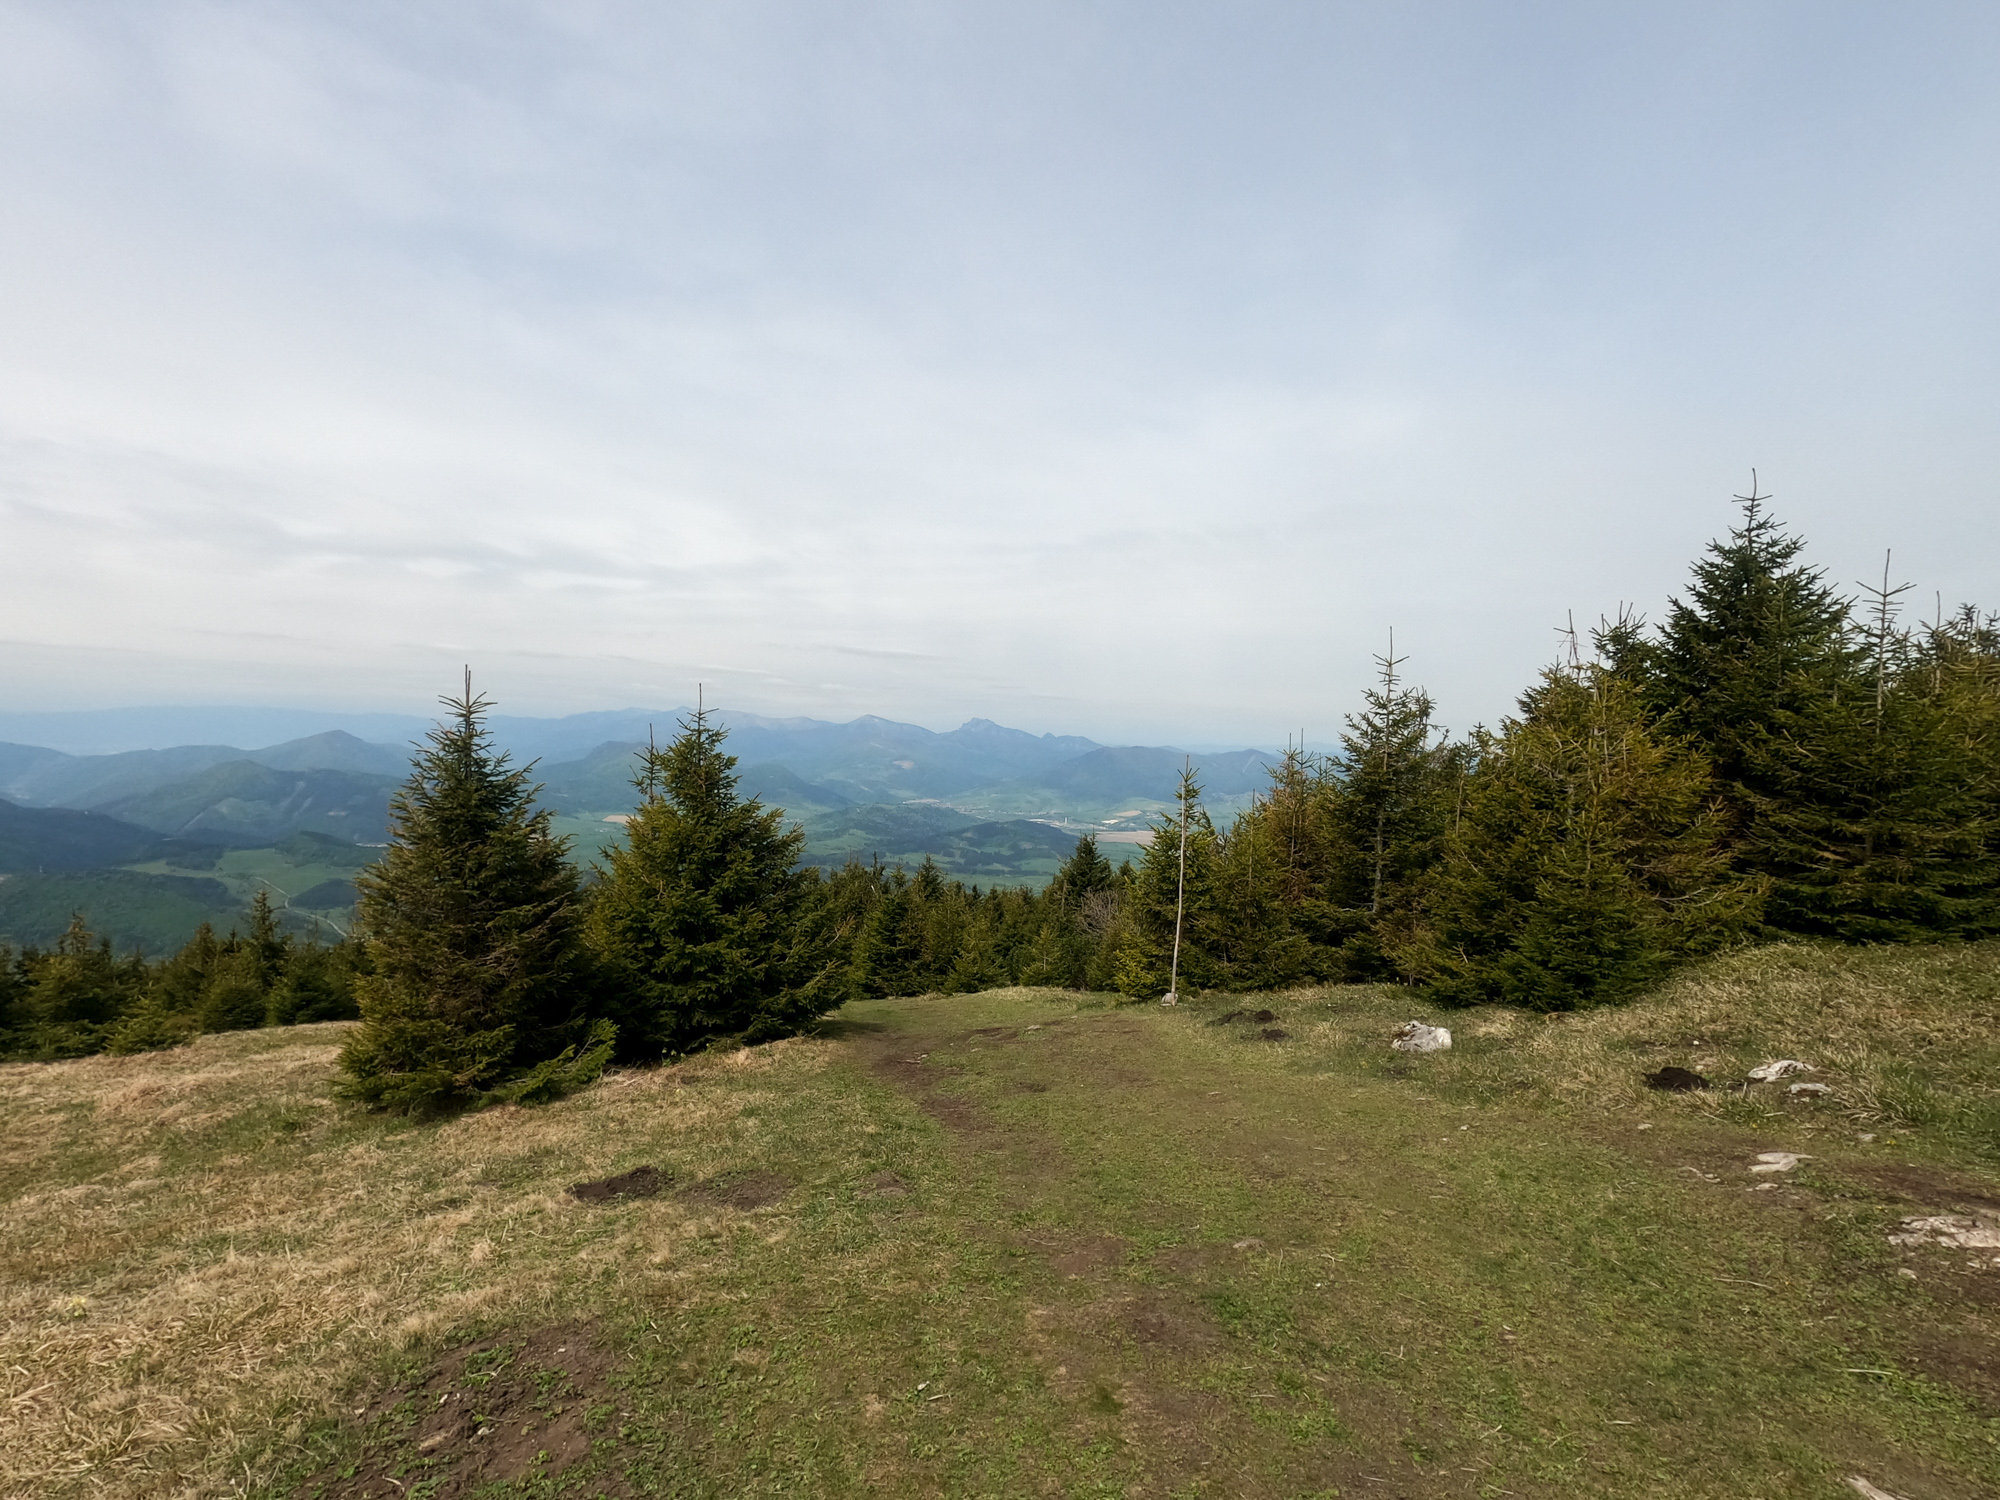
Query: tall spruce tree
1851	770
1176	888
1885	833
1746	668
1588	857
1387	807
701	921
472	918
1388	800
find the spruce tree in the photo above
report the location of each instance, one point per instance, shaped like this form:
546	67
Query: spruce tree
1849	759
701	919
317	985
1886	832
1059	950
1175	888
889	950
237	994
1378	813
1588	857
1252	935
472	919
1084	873
74	994
1746	668
168	1013
1387	808
977	965
13	994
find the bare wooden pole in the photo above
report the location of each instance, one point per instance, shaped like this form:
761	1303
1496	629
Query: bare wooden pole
1173	995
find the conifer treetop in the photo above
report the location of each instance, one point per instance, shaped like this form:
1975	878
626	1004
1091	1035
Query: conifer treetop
694	774
1752	597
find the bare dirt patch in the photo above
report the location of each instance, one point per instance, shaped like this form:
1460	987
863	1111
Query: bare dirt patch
886	1185
917	1077
640	1182
1968	1362
1081	1257
537	1407
1932	1187
752	1190
1161	1320
1191	1260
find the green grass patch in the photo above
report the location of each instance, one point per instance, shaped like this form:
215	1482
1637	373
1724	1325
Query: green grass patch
1031	1242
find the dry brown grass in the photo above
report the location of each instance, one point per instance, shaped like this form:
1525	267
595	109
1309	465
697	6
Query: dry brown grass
204	1254
201	1248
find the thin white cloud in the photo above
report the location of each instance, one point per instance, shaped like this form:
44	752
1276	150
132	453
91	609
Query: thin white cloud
1096	368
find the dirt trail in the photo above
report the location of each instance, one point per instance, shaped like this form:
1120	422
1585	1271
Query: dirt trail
1361	1262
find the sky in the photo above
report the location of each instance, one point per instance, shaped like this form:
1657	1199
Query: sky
1129	370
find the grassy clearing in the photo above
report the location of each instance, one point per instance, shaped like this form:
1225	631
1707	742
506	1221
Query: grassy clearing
1035	1243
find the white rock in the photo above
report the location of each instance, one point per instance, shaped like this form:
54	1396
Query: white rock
1809	1088
1170	998
1415	1036
1783	1067
1960	1231
1777	1161
1868	1491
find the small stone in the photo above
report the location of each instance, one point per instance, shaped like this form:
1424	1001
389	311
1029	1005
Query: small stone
1415	1036
1906	1273
1777	1161
1778	1068
1959	1231
1809	1089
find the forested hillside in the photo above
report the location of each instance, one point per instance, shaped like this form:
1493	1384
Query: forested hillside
1770	759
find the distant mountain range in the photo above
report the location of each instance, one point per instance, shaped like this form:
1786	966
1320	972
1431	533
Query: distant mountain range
804	765
988	803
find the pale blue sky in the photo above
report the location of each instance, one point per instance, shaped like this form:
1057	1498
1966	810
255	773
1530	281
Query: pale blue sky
1126	370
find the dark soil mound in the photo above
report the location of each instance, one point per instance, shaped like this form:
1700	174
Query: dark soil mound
1265	1017
752	1190
1226	1017
640	1182
537	1408
1275	1034
1675	1081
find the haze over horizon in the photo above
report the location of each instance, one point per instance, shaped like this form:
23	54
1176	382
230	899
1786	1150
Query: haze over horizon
1114	370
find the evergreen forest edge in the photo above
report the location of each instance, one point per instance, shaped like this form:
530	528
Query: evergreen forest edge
1774	760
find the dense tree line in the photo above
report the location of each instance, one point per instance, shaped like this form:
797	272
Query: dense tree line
1768	761
79	997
